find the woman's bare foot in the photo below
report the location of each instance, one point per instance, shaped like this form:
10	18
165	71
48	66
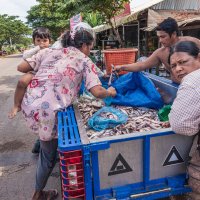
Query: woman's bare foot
13	112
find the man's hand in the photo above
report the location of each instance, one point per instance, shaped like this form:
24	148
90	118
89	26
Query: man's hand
111	91
118	68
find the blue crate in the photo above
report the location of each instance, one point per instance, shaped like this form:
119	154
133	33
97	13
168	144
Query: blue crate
68	133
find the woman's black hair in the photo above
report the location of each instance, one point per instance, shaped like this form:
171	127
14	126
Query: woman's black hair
168	25
185	46
81	37
41	32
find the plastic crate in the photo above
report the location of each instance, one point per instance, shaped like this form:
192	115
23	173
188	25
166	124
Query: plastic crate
70	153
119	57
72	175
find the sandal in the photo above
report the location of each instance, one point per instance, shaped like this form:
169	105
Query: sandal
50	194
45	195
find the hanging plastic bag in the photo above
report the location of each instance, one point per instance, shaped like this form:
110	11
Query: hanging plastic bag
137	90
107	117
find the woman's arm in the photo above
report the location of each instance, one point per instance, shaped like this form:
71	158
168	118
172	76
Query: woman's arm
24	67
33	63
184	115
100	92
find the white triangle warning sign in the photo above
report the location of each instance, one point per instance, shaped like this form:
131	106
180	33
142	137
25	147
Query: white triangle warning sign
119	166
173	157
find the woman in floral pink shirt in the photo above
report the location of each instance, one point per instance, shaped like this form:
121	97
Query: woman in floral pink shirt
54	87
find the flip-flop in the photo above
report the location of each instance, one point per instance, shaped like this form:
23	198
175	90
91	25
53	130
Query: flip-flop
50	194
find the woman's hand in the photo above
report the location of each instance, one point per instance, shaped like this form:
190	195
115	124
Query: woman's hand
111	91
99	92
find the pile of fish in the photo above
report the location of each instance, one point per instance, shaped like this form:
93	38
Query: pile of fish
139	119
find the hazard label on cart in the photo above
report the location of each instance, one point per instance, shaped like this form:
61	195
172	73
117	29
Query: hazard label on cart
119	166
173	157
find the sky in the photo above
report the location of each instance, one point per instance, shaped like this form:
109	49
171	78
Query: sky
20	7
16	7
138	5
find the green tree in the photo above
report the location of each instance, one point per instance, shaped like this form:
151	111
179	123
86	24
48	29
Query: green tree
93	18
107	8
47	14
13	31
55	14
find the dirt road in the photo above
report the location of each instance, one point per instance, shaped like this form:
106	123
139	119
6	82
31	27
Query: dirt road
17	163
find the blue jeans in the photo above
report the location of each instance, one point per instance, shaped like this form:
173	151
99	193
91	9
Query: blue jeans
46	162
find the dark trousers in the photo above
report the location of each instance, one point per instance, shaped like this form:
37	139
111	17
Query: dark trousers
46	162
194	175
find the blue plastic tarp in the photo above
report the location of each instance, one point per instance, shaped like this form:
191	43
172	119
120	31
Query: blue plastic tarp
137	90
134	89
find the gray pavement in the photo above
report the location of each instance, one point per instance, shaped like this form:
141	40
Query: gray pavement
17	163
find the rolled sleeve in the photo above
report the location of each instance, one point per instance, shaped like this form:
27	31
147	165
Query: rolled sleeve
99	72
90	75
184	116
35	60
31	52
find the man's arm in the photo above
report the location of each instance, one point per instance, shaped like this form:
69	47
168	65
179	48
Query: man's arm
189	38
150	62
195	40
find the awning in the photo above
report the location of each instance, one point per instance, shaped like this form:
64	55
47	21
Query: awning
124	20
136	6
182	17
188	21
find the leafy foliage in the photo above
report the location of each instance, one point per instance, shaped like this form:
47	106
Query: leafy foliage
94	19
107	9
47	14
55	14
13	30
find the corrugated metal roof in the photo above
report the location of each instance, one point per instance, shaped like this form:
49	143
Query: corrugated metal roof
126	19
182	17
139	5
178	5
136	6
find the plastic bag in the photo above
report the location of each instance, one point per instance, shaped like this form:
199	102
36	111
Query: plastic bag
164	112
135	89
83	26
100	120
108	101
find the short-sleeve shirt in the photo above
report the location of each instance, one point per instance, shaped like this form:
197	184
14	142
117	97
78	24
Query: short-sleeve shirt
55	86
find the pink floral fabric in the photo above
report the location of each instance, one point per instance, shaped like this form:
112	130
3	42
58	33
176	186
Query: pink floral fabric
55	86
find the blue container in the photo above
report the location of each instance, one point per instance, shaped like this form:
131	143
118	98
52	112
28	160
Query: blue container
148	165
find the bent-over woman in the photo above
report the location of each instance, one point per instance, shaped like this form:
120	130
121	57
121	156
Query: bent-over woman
55	87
